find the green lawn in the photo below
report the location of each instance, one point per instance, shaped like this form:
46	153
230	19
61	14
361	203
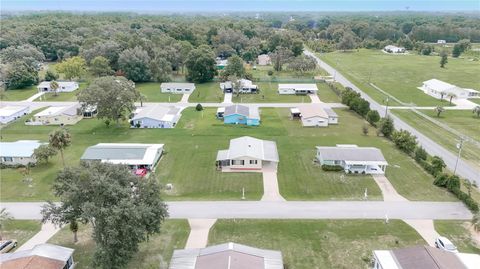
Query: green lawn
261	73
63	96
326	95
155	253
19	94
400	75
152	91
20	230
269	94
463	120
475	100
458	233
318	244
208	92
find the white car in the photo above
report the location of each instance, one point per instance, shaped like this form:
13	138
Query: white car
444	244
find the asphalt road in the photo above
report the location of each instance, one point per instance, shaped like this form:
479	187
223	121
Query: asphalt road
290	210
464	169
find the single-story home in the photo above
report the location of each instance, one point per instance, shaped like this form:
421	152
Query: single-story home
11	113
132	154
441	41
177	87
246	86
439	89
221	63
353	159
19	152
394	49
299	89
44	256
264	59
239	114
248	154
156	116
424	257
313	115
226	256
58	115
63	86
89	111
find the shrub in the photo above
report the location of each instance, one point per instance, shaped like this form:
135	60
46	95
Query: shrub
199	107
453	183
336	168
420	154
405	141
270	72
373	117
386	126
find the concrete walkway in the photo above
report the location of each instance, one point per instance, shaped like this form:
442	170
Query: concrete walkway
46	232
270	187
315	99
185	97
227	98
33	97
388	191
199	229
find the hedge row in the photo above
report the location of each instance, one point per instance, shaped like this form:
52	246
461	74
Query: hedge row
326	167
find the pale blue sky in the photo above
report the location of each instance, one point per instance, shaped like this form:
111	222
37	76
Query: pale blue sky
242	5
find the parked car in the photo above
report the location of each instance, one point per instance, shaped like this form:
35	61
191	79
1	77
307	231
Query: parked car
7	245
141	172
444	244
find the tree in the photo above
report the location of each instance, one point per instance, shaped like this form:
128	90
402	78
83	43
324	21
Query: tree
50	75
437	165
302	64
19	75
405	141
200	65
123	210
25	53
74	229
99	93
279	57
54	87
461	46
443	58
59	140
476	110
74	67
44	152
456	51
297	47
199	107
100	67
420	154
439	110
347	42
373	117
235	67
365	129
136	64
386	126
161	69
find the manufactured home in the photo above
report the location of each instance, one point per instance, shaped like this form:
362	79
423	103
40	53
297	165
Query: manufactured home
298	89
177	87
353	159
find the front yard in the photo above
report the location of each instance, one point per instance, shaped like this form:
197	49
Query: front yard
20	230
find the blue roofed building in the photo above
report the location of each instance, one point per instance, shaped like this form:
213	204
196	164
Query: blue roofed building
238	114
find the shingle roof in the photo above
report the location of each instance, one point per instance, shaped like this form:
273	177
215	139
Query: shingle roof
20	148
425	257
237	256
312	110
368	154
157	112
247	111
247	146
43	256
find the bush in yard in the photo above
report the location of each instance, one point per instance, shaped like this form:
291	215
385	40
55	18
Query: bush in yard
467	200
270	72
405	141
453	183
437	164
373	117
336	168
420	154
386	126
199	107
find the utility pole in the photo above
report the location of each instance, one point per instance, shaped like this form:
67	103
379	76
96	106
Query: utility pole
459	147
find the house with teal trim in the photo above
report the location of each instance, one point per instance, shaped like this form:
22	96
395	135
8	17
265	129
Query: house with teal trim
238	114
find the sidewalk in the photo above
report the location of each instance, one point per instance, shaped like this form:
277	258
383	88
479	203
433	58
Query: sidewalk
200	228
47	231
228	97
315	99
185	97
33	97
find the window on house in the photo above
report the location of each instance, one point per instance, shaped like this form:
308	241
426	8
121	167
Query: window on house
7	159
238	162
253	161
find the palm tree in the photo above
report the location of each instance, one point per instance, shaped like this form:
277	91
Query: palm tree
4	216
476	110
476	222
142	98
54	87
59	140
451	95
439	110
442	94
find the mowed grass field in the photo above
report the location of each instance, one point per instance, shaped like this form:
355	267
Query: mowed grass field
155	253
318	244
151	90
20	230
400	75
19	94
463	121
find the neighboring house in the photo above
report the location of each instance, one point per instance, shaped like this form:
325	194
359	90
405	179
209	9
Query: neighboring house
439	89
156	116
11	113
423	257
264	59
394	49
63	86
43	256
58	115
226	256
441	41
177	87
132	154
246	86
313	115
248	154
89	111
299	89
239	114
221	64
353	159
19	152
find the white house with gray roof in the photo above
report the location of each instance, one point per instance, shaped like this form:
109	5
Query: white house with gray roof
156	116
11	113
177	87
63	86
19	152
44	256
353	159
226	256
313	115
58	115
248	154
298	89
132	154
440	89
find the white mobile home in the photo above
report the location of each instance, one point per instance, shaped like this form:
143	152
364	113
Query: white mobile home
439	89
156	116
63	86
394	49
176	87
19	152
353	159
58	115
299	89
11	113
313	115
246	86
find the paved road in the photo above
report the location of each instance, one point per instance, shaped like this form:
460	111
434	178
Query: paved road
290	210
463	169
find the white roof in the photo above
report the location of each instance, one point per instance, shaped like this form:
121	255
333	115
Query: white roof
46	84
299	87
43	250
392	47
312	110
10	110
59	110
177	85
123	153
20	148
247	146
352	154
439	85
470	260
157	112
